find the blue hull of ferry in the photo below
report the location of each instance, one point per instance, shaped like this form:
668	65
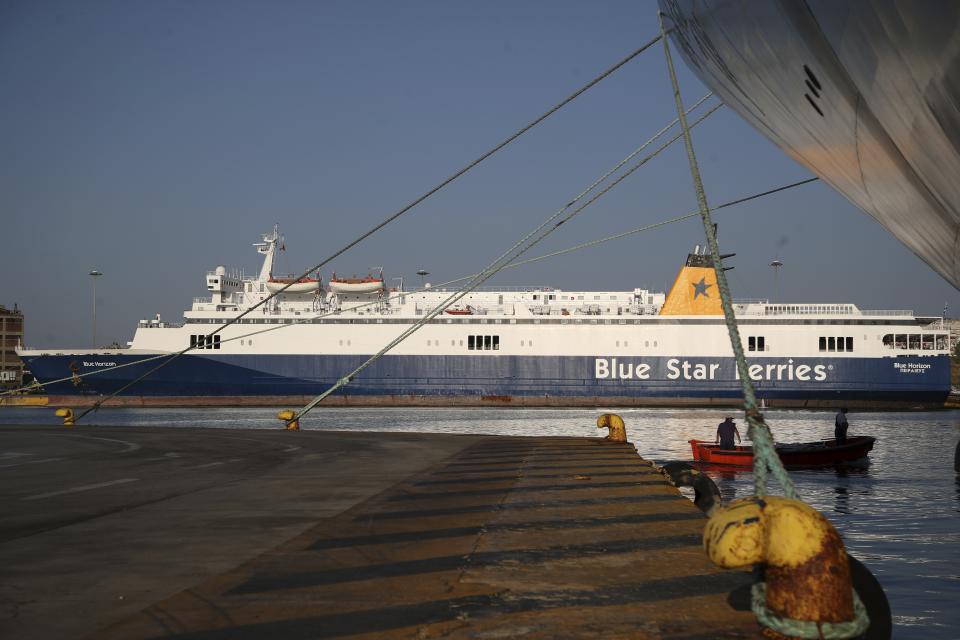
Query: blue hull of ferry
438	378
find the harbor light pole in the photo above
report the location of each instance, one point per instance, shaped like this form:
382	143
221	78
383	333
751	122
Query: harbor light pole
423	273
94	274
776	264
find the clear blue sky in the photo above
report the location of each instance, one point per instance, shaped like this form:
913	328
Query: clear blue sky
156	140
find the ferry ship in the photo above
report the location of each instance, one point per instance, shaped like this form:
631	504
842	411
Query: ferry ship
535	346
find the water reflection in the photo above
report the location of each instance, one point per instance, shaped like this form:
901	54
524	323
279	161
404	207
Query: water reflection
727	482
730	481
958	492
841	501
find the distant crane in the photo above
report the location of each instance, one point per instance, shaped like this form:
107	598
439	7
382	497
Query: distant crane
776	264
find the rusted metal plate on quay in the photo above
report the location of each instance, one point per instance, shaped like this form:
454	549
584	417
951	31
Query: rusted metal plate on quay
534	537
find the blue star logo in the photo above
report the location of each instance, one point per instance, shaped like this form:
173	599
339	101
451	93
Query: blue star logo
700	288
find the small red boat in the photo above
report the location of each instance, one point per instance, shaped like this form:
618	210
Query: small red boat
801	454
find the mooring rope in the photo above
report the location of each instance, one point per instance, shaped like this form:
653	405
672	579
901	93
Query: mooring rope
548	226
764	452
758	431
653	225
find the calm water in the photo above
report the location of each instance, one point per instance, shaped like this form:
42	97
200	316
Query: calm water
900	514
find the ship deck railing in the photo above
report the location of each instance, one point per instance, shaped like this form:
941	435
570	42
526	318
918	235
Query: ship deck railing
887	312
508	289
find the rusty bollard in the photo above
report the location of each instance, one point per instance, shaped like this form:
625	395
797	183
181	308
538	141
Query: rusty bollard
67	415
288	419
807	574
613	422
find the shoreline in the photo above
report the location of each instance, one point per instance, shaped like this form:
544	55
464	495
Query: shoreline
482	402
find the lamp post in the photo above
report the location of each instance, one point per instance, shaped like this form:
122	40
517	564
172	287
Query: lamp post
423	273
93	278
776	264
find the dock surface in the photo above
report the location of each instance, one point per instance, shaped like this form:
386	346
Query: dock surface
188	533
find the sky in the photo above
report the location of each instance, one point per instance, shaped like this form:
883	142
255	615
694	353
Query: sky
156	140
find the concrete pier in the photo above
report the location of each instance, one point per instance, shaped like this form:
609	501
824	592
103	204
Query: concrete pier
189	533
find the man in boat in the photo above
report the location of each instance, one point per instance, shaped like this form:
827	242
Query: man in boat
726	431
840	425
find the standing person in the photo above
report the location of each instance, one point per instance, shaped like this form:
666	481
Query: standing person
840	425
726	430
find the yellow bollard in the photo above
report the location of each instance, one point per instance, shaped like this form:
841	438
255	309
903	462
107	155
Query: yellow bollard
288	418
618	432
67	415
807	574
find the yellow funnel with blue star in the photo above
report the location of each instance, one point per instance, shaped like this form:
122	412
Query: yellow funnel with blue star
694	292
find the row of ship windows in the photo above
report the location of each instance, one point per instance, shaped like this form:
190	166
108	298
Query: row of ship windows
492	343
474	343
918	342
204	342
831	343
553	297
657	320
914	341
483	343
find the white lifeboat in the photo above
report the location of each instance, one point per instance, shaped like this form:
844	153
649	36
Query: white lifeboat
303	285
370	284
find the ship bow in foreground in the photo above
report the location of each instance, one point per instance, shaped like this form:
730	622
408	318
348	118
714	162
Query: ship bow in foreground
864	94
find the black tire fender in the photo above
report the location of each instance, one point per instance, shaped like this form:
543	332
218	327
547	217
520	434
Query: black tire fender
707	495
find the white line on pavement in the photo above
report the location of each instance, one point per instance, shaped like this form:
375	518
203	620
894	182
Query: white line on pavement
20	464
86	487
166	456
207	466
131	446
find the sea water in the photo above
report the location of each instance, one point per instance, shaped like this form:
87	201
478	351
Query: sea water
899	513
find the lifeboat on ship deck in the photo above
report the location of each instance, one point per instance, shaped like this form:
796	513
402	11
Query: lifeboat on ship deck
301	285
460	311
370	284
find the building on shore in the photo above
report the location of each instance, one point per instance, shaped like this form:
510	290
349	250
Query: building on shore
11	336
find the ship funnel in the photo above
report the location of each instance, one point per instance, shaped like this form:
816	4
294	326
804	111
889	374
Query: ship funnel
694	292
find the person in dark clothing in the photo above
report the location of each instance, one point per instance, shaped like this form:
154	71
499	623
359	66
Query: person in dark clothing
840	425
726	431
